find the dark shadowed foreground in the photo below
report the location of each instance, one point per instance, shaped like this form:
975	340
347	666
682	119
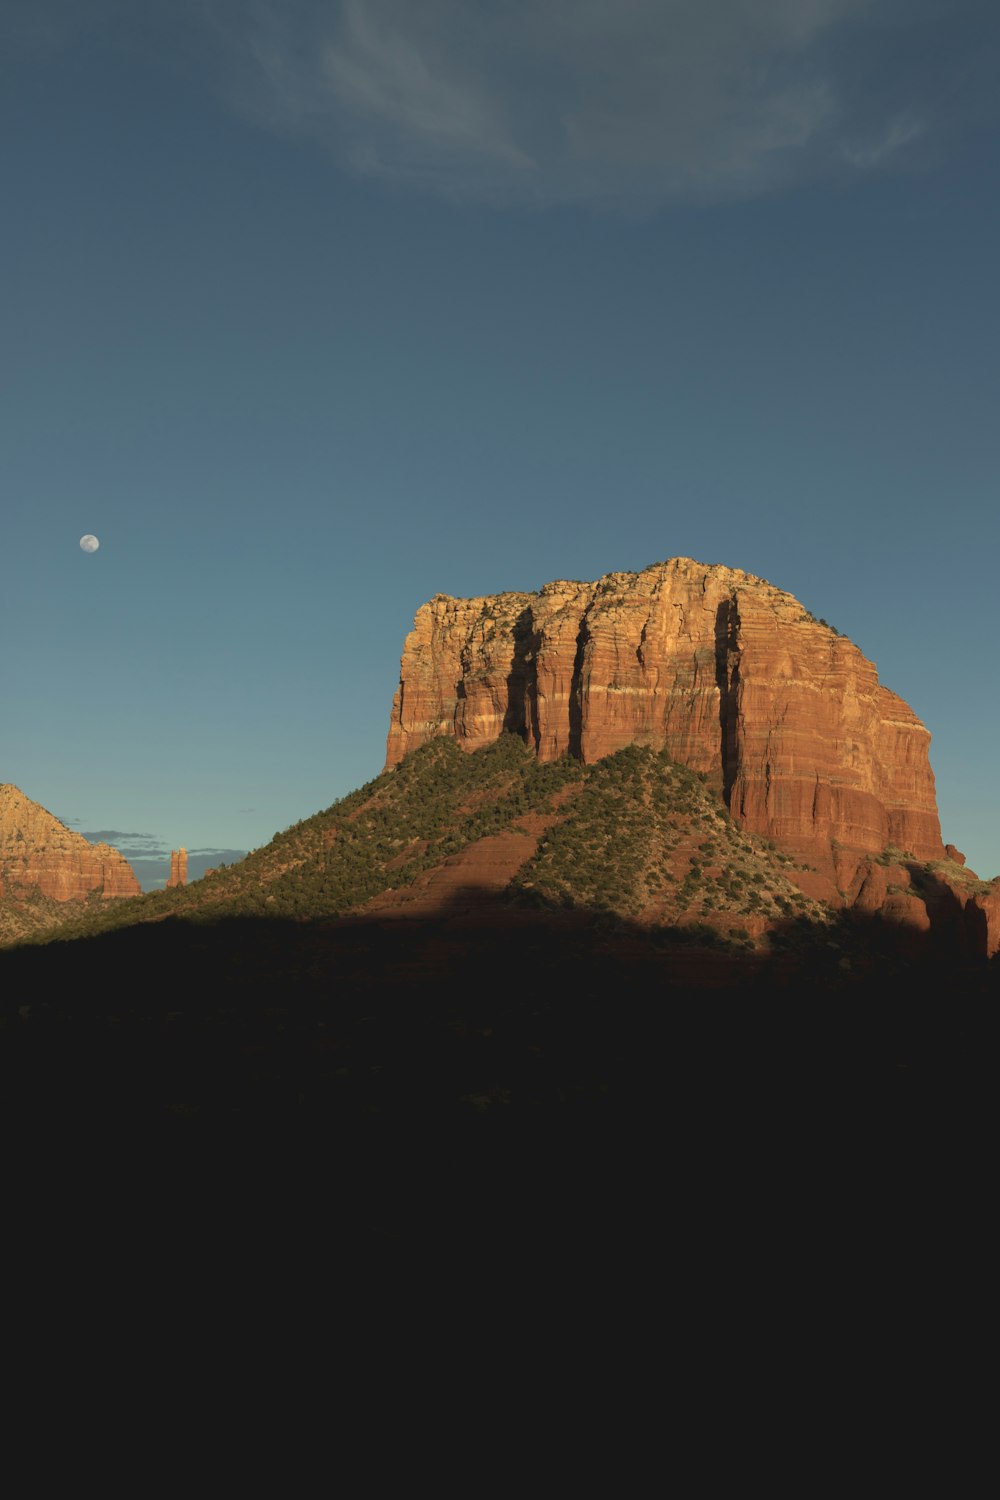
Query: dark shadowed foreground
498	1087
478	1014
521	994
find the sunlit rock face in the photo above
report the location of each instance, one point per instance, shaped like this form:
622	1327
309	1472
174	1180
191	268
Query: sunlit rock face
729	674
36	850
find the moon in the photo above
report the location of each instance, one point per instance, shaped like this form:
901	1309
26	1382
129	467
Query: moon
89	543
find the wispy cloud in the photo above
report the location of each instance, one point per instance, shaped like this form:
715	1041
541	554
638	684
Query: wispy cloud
616	101
628	103
873	153
134	846
400	83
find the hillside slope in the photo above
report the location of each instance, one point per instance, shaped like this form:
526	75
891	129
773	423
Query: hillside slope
635	838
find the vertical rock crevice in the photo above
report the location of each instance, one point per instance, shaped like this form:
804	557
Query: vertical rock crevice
727	677
521	716
576	692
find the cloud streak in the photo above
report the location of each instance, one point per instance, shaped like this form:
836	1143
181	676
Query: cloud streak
398	83
871	154
622	103
131	845
618	102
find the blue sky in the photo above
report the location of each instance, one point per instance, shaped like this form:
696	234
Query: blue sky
312	311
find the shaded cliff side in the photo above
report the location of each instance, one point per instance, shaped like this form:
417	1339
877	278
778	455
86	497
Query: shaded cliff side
730	675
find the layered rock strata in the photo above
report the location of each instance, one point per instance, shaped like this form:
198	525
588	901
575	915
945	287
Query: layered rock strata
37	851
731	675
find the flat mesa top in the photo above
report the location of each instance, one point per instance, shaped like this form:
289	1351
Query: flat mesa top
681	565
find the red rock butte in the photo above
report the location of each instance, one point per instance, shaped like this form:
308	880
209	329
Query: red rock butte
730	675
37	851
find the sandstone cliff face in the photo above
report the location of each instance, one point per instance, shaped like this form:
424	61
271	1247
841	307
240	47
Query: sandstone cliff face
36	850
728	673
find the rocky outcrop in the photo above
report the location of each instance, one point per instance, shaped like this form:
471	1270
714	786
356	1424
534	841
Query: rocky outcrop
729	674
983	911
178	868
38	852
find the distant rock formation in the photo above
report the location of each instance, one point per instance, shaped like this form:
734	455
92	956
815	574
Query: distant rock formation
178	867
38	852
731	675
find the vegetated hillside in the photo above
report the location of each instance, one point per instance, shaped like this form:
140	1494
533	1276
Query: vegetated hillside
635	836
26	910
649	839
385	834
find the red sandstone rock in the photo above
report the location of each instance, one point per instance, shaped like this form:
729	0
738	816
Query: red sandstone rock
468	880
986	920
906	909
728	673
869	888
37	850
178	868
